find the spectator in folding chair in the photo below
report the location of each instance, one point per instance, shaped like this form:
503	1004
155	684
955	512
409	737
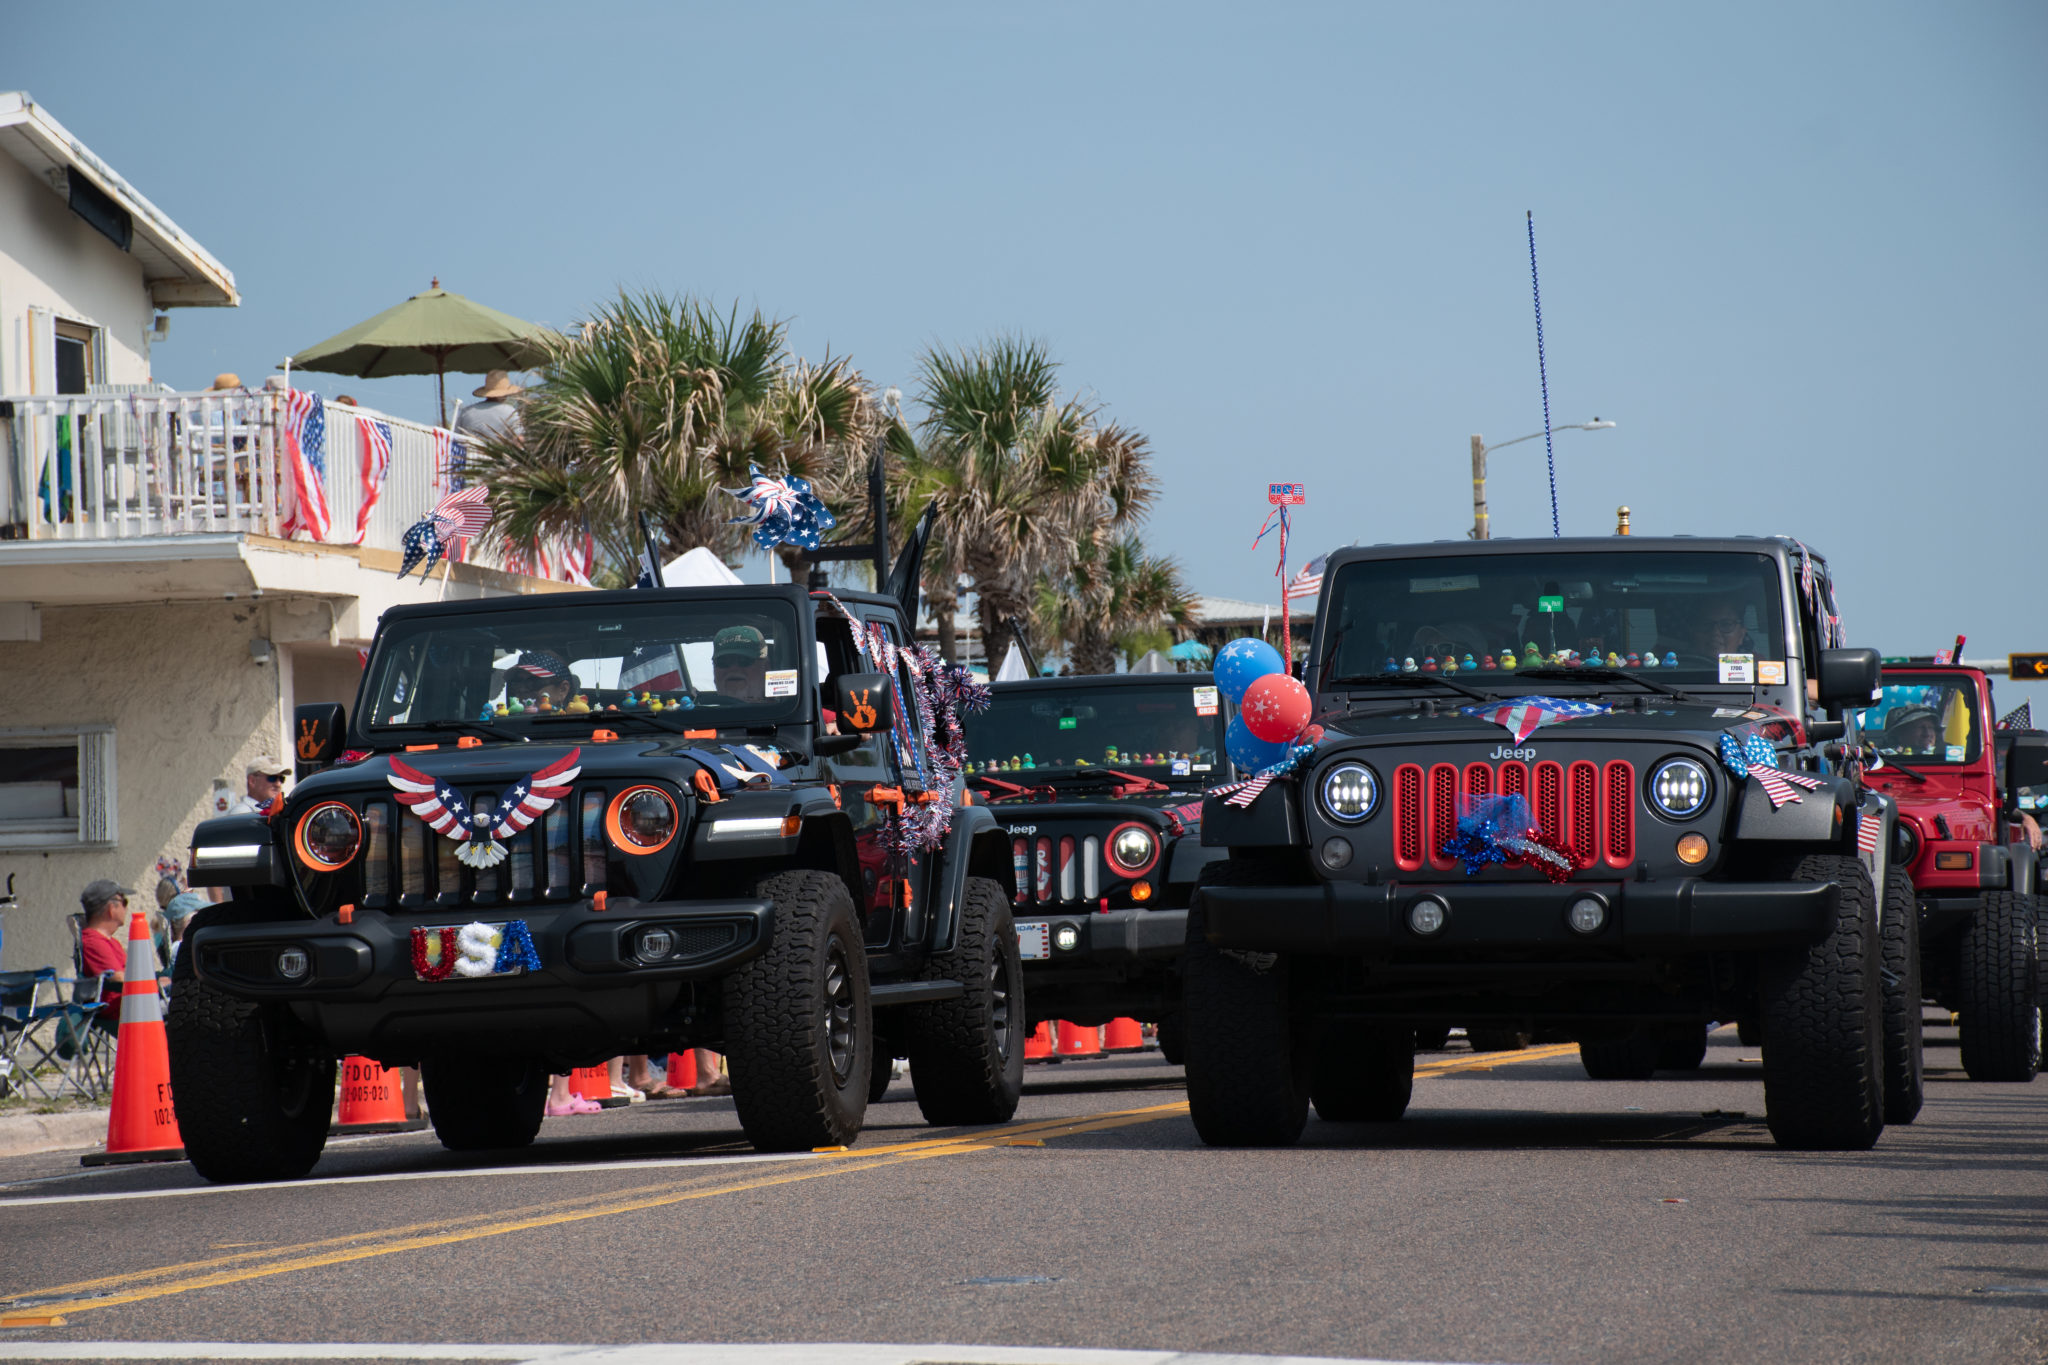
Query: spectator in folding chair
103	937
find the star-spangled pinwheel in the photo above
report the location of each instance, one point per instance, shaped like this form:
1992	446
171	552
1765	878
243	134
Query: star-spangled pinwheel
782	511
477	837
460	515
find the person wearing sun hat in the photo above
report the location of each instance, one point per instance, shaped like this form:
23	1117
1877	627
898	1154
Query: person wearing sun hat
497	416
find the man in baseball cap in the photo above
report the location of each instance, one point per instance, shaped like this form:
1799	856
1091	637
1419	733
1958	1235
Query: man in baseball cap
739	663
104	944
264	779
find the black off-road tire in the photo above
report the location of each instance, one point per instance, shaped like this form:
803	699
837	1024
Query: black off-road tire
799	1025
1749	1033
1822	1008
1631	1057
1248	1068
1363	1075
1904	1078
1682	1048
252	1089
881	1071
485	1104
1999	991
967	1055
1433	1039
1173	1039
1495	1039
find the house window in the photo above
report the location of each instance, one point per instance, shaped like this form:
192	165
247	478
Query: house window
78	356
57	787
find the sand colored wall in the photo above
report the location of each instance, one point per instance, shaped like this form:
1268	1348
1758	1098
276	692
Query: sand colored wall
187	704
49	257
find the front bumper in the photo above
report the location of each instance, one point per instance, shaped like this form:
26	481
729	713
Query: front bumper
1684	914
1114	939
361	992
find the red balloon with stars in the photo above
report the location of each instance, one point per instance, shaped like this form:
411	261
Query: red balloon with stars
1276	708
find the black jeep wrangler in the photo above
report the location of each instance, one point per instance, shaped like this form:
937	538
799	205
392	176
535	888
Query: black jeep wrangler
571	827
1098	780
1576	787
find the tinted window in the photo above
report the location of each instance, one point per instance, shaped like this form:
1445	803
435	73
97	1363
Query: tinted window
1130	728
1927	719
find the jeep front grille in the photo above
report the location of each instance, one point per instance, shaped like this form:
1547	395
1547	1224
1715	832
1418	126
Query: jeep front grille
560	856
1585	809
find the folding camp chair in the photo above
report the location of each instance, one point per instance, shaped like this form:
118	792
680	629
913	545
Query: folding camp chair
34	1015
88	1034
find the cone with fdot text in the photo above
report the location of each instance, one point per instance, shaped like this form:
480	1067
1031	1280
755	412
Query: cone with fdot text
142	1126
372	1099
1038	1047
1122	1035
1076	1041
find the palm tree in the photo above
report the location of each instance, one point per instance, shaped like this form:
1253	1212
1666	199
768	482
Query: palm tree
1021	477
1115	599
657	404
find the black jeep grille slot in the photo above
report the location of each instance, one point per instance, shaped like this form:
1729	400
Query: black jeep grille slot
697	939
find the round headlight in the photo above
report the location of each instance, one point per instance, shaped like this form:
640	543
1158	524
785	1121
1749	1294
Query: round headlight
328	836
1680	788
1350	791
1132	848
642	819
1905	842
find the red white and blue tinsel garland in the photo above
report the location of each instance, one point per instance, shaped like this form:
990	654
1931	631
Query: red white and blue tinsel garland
1501	830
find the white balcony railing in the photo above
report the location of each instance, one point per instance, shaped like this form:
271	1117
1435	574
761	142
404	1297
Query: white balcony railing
119	466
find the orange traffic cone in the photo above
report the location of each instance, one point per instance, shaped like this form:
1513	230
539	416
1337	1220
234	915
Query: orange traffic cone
1076	1041
593	1083
1038	1047
143	1126
1123	1035
682	1069
372	1099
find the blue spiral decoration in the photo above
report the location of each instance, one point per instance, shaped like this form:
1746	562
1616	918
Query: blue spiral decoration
1542	374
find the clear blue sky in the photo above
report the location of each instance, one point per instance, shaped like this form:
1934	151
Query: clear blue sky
1796	251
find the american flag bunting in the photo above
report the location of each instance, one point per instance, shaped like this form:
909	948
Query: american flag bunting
305	445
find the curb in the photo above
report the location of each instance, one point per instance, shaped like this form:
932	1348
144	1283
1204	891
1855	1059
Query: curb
25	1134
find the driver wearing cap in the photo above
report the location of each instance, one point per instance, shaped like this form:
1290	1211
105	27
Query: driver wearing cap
739	663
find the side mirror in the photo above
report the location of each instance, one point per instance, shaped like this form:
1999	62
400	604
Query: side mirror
866	703
1847	676
317	730
2027	764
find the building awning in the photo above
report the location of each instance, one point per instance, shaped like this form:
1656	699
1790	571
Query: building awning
180	273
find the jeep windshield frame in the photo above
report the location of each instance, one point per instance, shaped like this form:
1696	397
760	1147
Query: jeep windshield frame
1917	715
436	670
1716	612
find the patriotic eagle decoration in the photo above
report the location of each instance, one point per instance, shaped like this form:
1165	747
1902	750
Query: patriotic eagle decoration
477	837
782	511
458	516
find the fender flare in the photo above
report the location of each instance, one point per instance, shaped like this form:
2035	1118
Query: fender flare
975	847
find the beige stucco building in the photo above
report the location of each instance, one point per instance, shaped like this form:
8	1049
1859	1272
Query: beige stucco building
156	628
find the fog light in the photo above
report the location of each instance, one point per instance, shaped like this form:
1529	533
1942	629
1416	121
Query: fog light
1066	938
292	964
1428	916
1692	848
1586	915
655	944
1336	853
1141	891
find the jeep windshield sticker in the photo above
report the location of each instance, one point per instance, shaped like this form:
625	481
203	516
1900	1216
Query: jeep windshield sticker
1771	672
1738	668
1549	606
1205	701
1457	582
779	682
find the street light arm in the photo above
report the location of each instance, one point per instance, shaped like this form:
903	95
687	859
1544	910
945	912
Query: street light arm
1595	425
1480	450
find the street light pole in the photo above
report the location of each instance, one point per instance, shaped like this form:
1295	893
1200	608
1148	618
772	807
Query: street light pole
1481	522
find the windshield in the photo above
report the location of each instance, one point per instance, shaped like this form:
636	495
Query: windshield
1926	719
1174	728
728	662
1681	617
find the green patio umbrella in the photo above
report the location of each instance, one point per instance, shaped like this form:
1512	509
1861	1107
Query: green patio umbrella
431	333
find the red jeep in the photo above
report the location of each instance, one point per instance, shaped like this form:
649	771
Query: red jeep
1962	840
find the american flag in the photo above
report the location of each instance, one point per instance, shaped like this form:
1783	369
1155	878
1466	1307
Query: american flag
2021	717
576	557
463	513
305	443
451	466
1524	716
1309	581
376	443
652	667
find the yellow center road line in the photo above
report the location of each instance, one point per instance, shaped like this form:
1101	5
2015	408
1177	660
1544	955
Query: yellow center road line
213	1272
1483	1061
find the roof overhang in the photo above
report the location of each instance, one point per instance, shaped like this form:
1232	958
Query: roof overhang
180	273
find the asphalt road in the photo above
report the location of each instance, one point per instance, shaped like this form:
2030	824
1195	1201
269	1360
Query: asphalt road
1520	1213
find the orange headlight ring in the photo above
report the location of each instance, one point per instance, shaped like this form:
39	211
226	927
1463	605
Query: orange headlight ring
617	832
306	854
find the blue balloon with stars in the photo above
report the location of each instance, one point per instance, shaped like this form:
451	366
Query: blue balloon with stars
1241	663
1247	750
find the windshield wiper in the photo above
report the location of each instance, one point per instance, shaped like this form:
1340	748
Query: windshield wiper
1409	679
1136	782
655	718
1605	675
480	727
1887	765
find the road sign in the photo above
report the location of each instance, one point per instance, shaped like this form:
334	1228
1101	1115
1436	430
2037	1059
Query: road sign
1286	494
2028	667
